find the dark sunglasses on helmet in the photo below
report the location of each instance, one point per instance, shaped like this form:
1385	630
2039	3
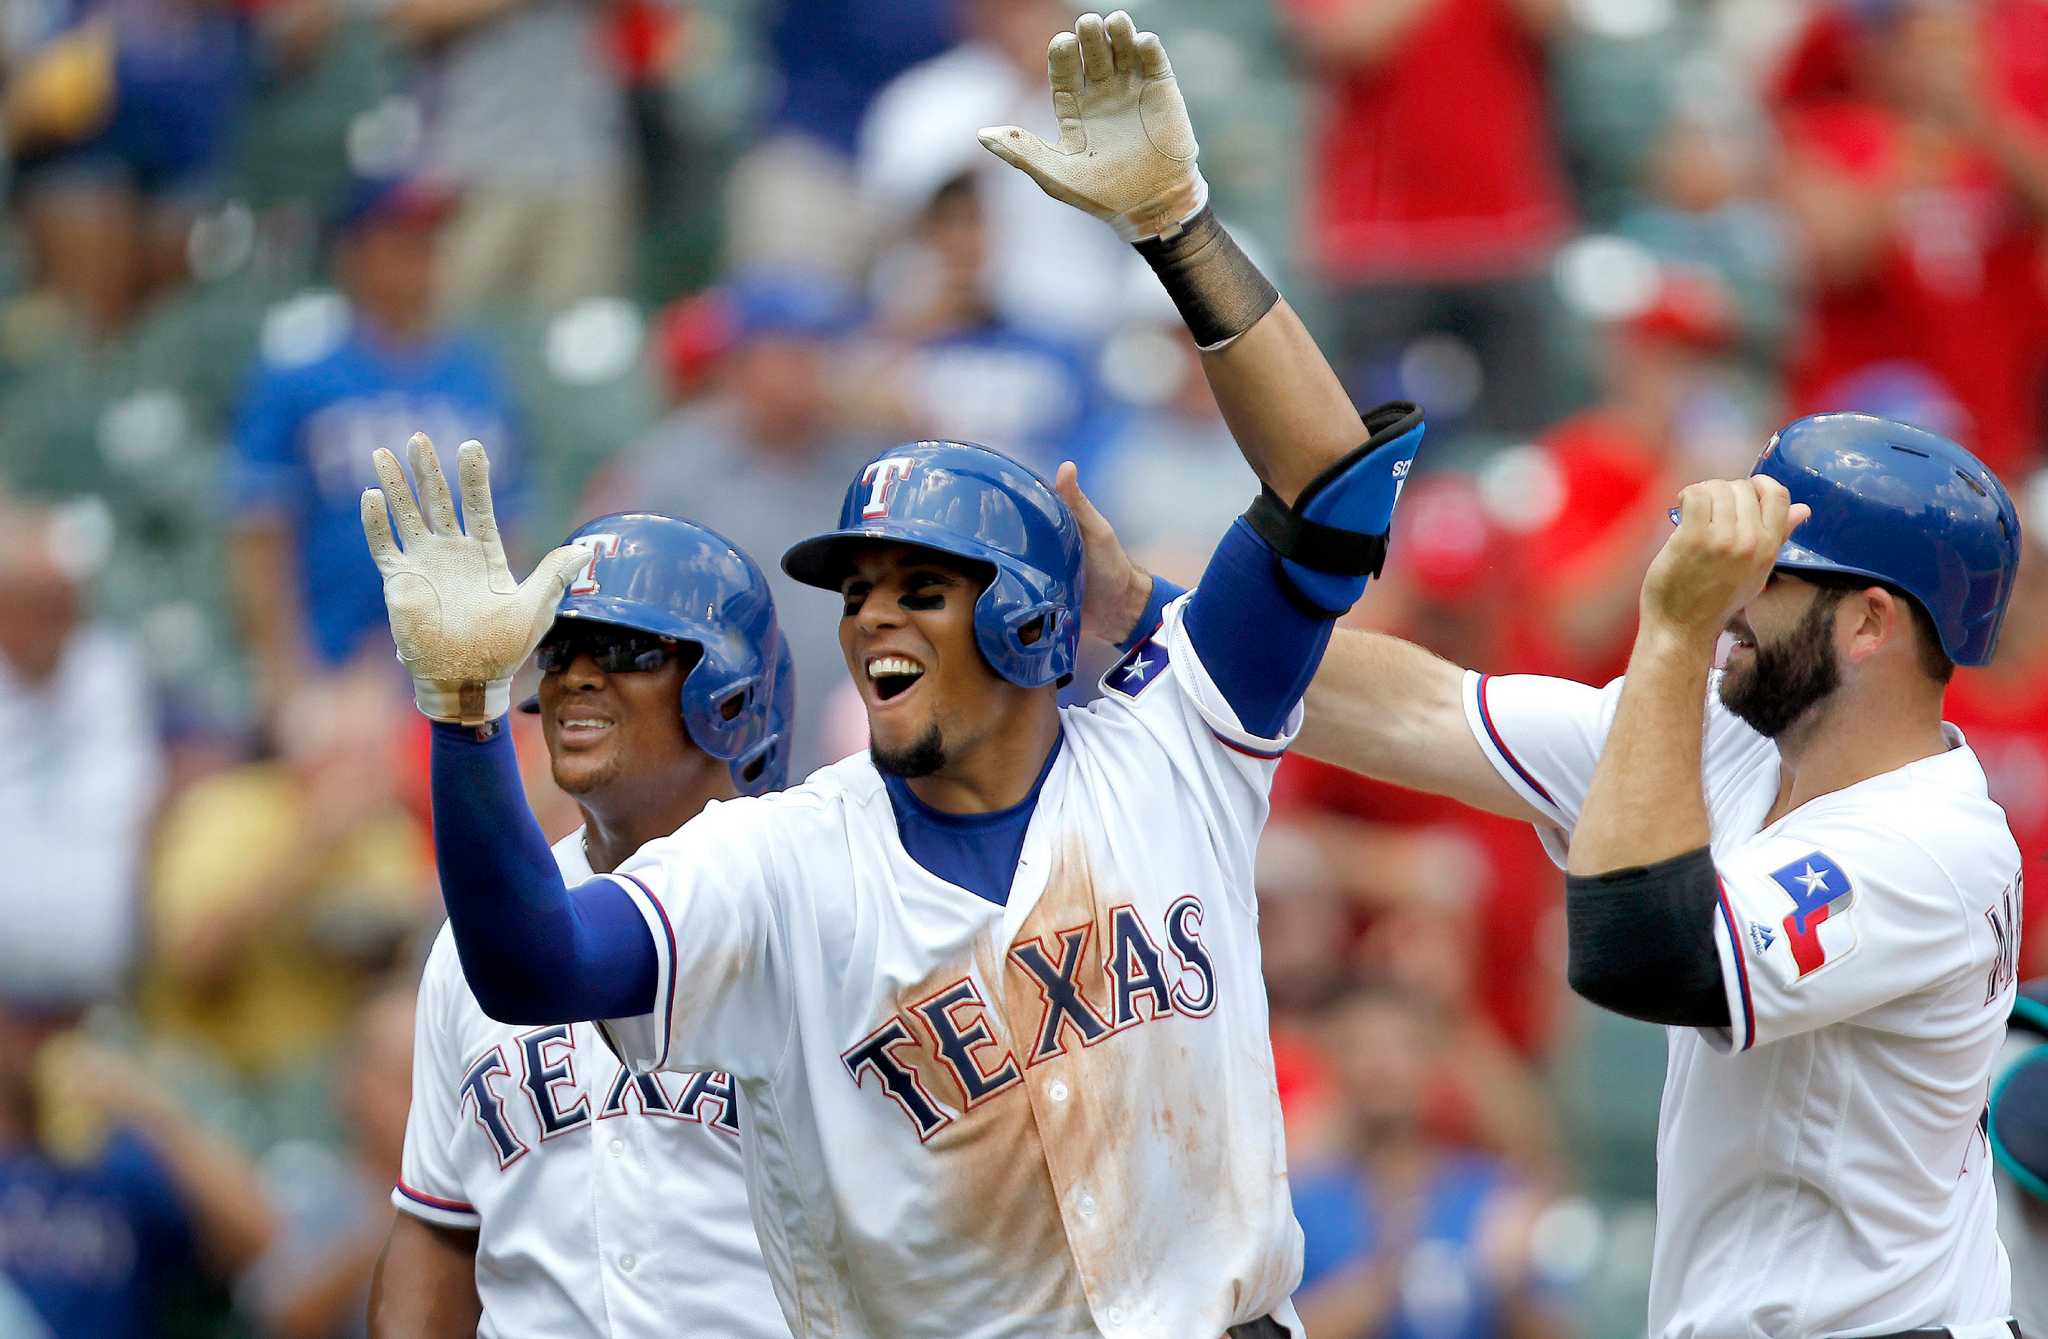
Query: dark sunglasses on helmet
613	650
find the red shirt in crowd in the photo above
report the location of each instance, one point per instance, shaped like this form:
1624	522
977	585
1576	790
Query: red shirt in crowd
1512	979
2005	718
1960	288
1437	162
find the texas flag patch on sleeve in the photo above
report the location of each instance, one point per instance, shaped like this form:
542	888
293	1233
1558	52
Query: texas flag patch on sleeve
1817	929
1141	665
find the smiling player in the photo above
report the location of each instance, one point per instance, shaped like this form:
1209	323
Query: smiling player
546	1189
990	990
1793	864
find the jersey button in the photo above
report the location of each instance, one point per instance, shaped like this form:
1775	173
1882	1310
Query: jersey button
1057	1090
1087	1206
618	1148
1113	1315
626	1262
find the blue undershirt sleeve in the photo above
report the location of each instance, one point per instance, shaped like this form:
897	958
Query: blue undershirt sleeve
1164	593
533	949
1259	640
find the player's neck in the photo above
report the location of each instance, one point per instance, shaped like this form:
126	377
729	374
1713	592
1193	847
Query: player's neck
618	823
998	771
1853	738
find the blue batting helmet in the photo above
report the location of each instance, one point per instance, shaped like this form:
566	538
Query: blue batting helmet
1905	507
968	501
679	579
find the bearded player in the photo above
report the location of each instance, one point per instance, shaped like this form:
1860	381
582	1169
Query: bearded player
546	1189
991	990
1792	863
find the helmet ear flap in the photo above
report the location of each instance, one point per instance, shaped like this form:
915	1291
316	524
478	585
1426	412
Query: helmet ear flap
1006	611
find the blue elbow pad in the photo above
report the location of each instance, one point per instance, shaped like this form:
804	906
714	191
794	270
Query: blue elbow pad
1333	540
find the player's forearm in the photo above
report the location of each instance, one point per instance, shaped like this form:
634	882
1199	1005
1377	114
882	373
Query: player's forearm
533	949
1391	710
424	1286
1646	804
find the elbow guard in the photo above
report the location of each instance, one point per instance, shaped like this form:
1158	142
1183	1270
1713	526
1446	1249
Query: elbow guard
1642	941
1334	538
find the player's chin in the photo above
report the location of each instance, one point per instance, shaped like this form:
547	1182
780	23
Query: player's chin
585	770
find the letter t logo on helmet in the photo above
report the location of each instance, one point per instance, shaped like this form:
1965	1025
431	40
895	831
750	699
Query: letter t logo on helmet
881	477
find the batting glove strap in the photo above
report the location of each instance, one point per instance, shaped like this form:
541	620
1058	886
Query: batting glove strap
1213	284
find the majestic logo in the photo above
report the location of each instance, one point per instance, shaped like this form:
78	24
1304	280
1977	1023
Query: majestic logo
601	546
1762	936
953	1032
1820	894
881	477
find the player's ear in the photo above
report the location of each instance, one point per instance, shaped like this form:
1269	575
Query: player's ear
1868	620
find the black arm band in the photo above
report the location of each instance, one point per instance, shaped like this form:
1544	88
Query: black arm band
1219	292
1642	941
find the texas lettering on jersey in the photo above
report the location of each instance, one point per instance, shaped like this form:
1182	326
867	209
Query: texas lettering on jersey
541	1069
1085	994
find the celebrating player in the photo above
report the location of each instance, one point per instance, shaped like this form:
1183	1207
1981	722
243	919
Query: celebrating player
546	1189
1792	862
990	990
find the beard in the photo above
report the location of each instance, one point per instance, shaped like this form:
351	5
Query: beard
924	756
1788	678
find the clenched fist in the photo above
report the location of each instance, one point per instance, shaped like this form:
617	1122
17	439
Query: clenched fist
1718	559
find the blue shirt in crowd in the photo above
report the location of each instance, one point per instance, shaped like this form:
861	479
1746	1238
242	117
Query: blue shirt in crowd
318	405
1444	1292
1029	395
836	55
93	1249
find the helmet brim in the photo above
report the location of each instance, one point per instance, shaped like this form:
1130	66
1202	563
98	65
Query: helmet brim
825	560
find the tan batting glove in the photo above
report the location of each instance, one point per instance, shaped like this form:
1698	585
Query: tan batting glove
462	625
1127	151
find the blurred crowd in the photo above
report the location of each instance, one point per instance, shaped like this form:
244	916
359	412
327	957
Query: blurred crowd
704	256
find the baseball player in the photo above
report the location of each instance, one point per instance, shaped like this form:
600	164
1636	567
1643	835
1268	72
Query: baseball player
990	991
1792	862
546	1189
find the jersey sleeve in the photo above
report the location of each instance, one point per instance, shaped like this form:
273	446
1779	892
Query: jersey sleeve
709	894
1544	737
1837	916
430	1176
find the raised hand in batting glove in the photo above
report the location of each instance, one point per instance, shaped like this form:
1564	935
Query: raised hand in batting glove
462	624
1126	152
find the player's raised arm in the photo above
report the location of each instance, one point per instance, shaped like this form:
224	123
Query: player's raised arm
1127	154
533	949
1378	706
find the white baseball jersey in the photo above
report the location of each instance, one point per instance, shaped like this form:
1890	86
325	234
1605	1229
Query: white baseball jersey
1821	1163
1051	1118
604	1204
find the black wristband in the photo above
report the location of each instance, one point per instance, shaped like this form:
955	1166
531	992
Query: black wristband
1215	286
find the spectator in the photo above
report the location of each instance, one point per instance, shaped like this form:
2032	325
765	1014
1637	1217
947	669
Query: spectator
335	382
1054	271
762	456
1406	1238
794	199
963	370
283	890
529	122
79	764
1436	215
1590	502
1470	884
120	120
112	1202
2019	1129
1916	176
1170	472
314	1283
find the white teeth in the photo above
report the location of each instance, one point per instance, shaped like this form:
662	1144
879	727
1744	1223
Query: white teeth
586	725
882	665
